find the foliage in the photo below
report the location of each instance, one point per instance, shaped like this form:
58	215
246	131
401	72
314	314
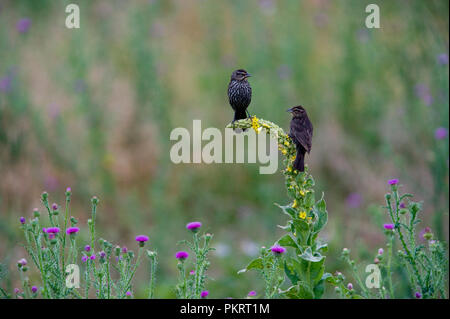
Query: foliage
306	218
426	265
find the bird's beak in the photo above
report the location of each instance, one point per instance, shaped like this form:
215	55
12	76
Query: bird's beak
289	110
248	75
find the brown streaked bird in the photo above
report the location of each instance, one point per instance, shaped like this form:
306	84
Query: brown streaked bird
239	94
301	132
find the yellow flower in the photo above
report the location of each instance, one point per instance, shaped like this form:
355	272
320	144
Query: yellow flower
294	204
283	151
286	143
289	169
309	218
302	192
302	215
255	124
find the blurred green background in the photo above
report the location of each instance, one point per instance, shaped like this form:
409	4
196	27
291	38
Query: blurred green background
92	108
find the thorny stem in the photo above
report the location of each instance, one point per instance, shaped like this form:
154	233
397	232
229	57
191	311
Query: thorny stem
391	288
402	239
64	231
153	264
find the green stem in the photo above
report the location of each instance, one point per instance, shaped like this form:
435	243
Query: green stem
389	274
128	282
152	278
63	248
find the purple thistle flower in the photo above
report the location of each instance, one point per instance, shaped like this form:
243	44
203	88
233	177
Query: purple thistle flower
380	251
55	206
72	230
393	181
194	226
22	220
102	254
23	25
87	248
278	250
402	205
22	262
84	258
252	293
389	226
350	286
426	233
141	239
16	291
51	236
418	295
52	230
68	190
128	293
204	293
44	230
181	255
441	133
442	58
192	272
92	257
34	289
124	249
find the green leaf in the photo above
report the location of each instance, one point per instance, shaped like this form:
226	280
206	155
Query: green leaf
299	291
322	215
254	264
288	210
287	227
312	267
304	291
287	241
322	247
319	289
308	256
289	269
301	228
309	199
291	293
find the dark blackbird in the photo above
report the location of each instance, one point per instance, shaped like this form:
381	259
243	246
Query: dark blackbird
239	93
301	132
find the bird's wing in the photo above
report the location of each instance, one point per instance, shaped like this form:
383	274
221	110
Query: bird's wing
304	135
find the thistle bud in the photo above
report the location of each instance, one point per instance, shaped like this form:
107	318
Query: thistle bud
151	254
94	200
73	220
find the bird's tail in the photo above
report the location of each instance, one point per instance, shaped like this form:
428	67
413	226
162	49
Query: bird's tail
239	115
299	163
